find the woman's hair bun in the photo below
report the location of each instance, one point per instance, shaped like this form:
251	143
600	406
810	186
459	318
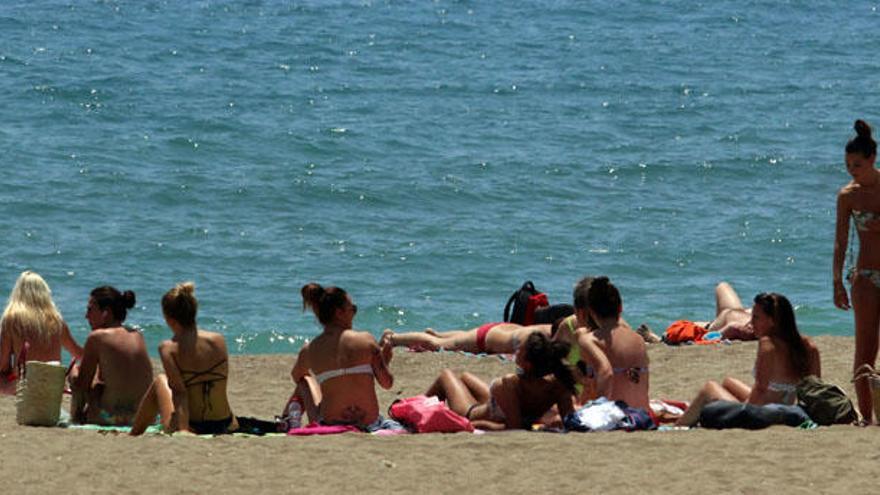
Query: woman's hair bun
128	299
186	288
862	129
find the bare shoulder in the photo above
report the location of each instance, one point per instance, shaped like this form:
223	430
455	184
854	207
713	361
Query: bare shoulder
214	338
509	381
848	189
848	194
810	344
359	337
168	348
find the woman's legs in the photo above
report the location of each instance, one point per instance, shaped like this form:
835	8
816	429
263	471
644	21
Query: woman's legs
309	392
710	392
737	388
478	388
451	388
158	398
726	298
417	340
866	306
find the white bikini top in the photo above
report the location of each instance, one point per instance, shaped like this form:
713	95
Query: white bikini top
361	369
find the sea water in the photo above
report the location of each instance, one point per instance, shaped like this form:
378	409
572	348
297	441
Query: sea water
427	156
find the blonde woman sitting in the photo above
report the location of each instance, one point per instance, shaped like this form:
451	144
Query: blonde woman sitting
31	329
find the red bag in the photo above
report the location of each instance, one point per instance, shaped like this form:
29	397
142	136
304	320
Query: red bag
521	306
428	415
684	331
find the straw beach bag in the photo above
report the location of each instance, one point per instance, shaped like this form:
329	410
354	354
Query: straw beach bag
38	394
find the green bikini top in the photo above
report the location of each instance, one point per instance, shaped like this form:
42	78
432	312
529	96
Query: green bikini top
574	353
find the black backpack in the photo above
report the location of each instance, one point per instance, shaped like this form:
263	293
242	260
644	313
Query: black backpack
523	304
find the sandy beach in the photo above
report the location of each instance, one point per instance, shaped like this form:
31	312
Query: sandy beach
780	459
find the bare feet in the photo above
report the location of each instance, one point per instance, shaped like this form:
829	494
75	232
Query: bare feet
650	337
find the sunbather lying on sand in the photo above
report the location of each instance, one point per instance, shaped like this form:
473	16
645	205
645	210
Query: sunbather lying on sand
515	400
491	338
732	320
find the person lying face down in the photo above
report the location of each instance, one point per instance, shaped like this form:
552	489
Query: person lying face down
335	373
115	371
516	400
611	360
32	325
491	338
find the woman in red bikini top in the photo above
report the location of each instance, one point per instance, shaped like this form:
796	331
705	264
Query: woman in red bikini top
31	318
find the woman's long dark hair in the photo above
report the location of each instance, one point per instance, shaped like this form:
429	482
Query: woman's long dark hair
779	309
546	357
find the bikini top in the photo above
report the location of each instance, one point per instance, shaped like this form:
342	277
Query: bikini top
361	369
788	390
211	377
574	357
634	373
862	218
574	353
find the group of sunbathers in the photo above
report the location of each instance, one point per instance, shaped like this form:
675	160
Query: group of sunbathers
592	353
589	354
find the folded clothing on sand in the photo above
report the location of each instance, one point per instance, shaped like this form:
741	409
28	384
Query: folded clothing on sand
724	414
605	415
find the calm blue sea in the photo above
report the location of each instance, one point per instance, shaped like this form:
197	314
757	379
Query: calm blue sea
427	156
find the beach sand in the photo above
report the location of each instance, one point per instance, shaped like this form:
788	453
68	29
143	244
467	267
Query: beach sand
780	459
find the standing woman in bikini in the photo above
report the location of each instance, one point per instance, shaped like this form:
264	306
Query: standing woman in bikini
784	358
860	199
335	373
191	395
31	318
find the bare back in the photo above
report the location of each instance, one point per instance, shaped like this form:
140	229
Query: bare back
39	348
124	366
345	365
627	355
199	365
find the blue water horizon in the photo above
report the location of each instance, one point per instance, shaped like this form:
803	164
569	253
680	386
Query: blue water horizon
427	157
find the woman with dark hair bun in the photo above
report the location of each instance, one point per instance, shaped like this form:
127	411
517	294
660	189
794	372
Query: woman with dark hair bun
611	358
335	373
784	358
117	356
860	200
515	400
